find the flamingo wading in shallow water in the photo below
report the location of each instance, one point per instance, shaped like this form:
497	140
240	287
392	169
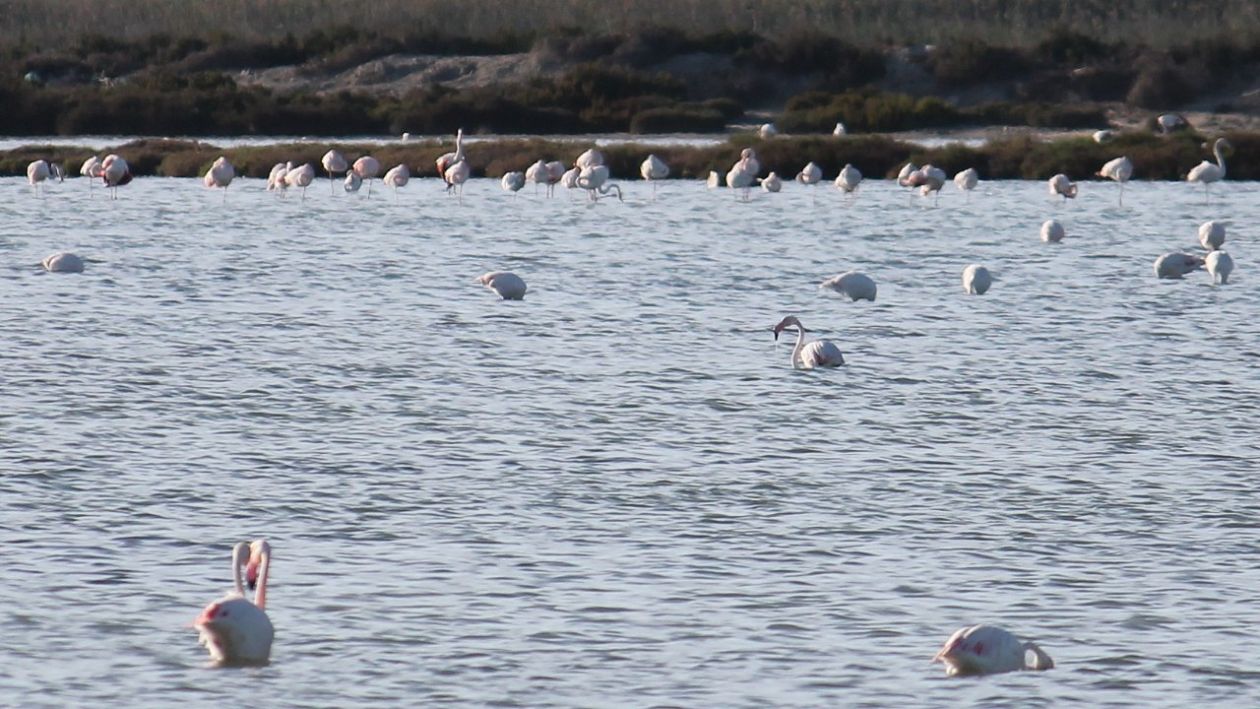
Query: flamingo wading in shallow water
1119	169
1206	172
220	174
1063	186
976	279
367	168
988	649
115	172
234	629
812	354
334	164
653	169
447	160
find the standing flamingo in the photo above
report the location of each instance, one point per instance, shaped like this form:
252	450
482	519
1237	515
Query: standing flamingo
1219	264
555	173
1052	231
967	181
594	180
928	179
1060	184
115	172
537	174
446	160
397	176
352	182
368	168
744	172
235	630
36	173
848	179
809	355
839	130
512	181
1206	172
811	174
220	174
63	262
334	164
1119	169
988	649
301	177
653	169
91	169
1212	235
456	175
772	182
589	158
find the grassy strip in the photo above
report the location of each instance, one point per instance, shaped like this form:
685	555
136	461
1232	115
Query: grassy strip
1154	157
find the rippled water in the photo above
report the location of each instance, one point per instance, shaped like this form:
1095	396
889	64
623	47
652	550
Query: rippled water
618	493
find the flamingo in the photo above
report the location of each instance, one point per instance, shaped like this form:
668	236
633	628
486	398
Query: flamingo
1170	122
848	179
90	169
36	173
1206	172
235	630
220	174
537	174
506	284
928	179
988	649
1052	231
811	174
813	354
301	177
1212	235
772	182
1174	265
594	180
967	181
352	182
1219	264
367	167
115	172
275	179
513	181
904	174
1060	184
744	172
1119	169
714	180
456	175
767	131
1103	136
976	279
63	262
445	161
839	130
334	164
589	158
570	178
397	176
555	173
855	284
653	169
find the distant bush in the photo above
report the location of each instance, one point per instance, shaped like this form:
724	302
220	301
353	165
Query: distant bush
973	62
683	119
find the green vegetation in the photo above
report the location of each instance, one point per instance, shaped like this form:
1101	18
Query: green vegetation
1154	157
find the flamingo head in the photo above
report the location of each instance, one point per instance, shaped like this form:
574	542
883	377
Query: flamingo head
259	550
786	322
963	654
747	153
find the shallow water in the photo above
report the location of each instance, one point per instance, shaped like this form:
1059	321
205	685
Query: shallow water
617	492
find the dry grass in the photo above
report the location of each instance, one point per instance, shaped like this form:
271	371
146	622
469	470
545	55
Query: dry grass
863	22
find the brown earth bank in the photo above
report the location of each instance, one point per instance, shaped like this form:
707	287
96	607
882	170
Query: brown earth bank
1024	156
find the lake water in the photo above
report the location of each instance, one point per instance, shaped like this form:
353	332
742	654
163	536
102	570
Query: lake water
617	493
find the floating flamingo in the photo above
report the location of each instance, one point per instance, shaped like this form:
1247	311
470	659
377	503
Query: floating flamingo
1220	265
1212	235
987	649
1174	265
235	630
506	284
855	284
1061	185
809	355
976	279
1052	231
772	182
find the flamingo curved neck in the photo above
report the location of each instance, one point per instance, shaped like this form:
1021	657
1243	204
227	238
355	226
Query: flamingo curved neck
240	555
800	345
260	596
1220	158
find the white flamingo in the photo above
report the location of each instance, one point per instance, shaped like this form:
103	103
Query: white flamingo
928	179
1220	265
811	174
988	649
809	355
839	130
63	262
744	172
1103	136
772	182
1206	172
1119	169
36	173
301	176
456	175
855	284
1052	231
569	180
976	279
1170	122
653	169
334	164
594	180
115	172
1212	235
512	181
1062	186
397	176
714	180
537	174
555	173
1174	265
589	158
506	284
967	181
91	169
235	630
767	131
848	179
446	160
220	174
367	167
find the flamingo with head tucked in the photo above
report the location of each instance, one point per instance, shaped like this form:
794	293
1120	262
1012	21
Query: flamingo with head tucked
115	172
235	630
967	181
1220	265
397	176
91	168
334	164
367	167
849	179
1061	185
512	181
744	172
301	176
1206	172
976	279
988	649
1212	235
220	174
653	169
812	354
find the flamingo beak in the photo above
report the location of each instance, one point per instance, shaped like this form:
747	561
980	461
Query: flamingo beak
251	574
